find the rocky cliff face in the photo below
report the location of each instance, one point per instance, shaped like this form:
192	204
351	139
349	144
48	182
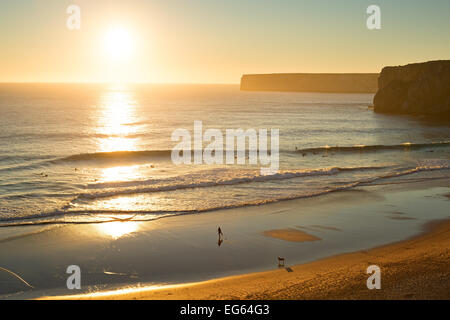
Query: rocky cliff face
419	88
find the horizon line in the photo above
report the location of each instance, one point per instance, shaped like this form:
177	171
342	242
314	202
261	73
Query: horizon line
114	83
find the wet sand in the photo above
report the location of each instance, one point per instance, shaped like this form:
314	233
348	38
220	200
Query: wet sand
417	268
290	234
137	257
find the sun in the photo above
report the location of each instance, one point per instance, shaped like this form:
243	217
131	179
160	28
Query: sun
119	43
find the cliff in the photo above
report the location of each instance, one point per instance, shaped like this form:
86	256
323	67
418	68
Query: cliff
311	82
419	88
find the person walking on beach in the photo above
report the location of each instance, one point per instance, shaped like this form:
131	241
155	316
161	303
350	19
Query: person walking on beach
220	240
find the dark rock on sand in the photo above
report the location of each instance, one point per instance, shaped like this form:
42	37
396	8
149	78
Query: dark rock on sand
419	88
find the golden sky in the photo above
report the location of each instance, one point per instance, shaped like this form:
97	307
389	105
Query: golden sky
205	41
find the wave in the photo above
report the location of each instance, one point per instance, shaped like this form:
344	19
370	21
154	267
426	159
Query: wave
124	155
130	156
205	179
155	215
5	158
157	187
426	166
116	155
380	147
64	216
31	166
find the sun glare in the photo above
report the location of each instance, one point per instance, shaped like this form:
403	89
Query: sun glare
115	116
119	43
118	229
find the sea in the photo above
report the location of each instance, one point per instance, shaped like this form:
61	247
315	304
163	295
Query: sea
86	153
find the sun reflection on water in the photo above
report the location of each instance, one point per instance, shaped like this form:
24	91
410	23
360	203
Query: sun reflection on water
121	173
121	203
117	112
118	229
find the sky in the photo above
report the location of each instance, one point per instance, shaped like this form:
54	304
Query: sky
213	41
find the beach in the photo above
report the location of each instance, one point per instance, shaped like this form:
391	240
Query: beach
99	191
172	258
413	269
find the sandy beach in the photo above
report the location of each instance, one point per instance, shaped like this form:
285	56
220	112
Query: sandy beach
413	269
415	266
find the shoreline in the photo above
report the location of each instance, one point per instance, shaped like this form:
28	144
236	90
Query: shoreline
342	276
171	253
413	256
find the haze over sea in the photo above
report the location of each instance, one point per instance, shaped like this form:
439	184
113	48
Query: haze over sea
80	153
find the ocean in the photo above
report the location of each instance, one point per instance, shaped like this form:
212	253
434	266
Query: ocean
83	153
